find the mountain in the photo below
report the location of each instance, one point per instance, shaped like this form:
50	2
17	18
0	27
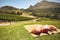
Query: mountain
45	6
8	8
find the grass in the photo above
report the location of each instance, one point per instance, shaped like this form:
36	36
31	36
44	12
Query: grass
17	31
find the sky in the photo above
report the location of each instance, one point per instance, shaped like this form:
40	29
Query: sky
21	3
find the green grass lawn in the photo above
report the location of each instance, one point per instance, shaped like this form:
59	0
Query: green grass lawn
18	32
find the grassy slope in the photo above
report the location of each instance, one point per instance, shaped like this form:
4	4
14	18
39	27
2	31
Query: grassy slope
17	31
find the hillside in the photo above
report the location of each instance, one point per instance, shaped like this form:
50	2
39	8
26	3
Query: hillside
9	13
41	9
8	8
45	6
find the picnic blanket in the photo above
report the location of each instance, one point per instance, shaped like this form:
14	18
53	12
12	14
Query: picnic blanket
30	27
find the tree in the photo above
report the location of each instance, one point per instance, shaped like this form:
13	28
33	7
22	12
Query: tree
19	13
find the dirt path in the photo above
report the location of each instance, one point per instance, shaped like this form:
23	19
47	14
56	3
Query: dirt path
6	23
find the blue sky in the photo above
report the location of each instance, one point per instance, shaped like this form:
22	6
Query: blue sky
21	3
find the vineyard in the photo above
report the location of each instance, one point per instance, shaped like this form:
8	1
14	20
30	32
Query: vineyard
10	17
